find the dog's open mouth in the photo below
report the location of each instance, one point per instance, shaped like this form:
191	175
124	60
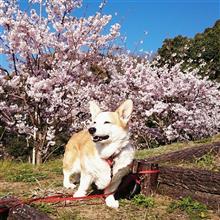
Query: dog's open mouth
100	138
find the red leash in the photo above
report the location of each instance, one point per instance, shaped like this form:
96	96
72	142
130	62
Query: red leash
148	171
48	199
59	198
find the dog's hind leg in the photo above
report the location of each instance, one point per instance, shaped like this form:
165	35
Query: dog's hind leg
66	179
68	170
71	164
85	181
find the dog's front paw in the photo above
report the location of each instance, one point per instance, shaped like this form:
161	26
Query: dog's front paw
79	194
69	185
111	202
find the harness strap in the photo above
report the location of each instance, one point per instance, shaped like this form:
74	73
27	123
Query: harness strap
111	162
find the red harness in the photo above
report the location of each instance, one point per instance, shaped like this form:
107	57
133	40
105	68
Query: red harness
111	162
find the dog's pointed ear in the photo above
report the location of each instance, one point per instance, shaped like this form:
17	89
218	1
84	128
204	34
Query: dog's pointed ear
124	110
94	109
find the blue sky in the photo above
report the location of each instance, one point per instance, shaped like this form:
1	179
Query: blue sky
159	18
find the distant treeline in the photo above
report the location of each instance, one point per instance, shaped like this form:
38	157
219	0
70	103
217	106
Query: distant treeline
202	52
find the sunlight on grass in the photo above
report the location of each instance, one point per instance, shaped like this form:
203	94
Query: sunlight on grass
25	180
26	172
142	200
146	153
194	209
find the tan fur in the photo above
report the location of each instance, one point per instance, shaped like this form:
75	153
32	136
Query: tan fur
81	143
78	145
115	119
87	153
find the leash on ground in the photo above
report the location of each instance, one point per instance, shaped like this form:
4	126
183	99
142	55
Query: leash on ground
4	207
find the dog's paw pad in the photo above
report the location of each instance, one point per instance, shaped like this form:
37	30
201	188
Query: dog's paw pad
111	202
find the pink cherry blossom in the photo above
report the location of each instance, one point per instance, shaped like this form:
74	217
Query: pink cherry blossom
60	62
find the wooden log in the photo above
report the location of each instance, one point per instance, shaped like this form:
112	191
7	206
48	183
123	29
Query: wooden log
3	214
210	200
148	180
188	154
192	179
26	212
202	185
5	204
14	209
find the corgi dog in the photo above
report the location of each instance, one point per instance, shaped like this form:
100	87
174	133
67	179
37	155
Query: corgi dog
88	151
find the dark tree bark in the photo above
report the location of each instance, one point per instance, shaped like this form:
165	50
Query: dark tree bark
148	180
210	200
193	179
202	185
11	208
26	212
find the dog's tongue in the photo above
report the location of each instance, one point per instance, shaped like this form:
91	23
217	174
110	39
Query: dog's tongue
100	138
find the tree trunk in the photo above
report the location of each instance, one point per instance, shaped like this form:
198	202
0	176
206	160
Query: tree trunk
39	140
34	148
193	179
38	157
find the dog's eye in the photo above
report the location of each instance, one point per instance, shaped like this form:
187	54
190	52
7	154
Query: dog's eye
106	122
94	122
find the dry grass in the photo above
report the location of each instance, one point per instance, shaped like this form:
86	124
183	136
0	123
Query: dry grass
25	181
141	154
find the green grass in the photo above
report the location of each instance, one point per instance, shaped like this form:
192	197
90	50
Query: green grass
139	200
146	153
54	166
44	207
25	176
207	160
25	172
194	209
142	200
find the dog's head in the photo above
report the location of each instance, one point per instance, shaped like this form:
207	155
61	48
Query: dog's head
110	126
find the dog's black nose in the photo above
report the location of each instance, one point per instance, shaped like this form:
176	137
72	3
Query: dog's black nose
92	130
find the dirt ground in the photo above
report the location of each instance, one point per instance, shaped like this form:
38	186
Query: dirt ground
95	209
25	181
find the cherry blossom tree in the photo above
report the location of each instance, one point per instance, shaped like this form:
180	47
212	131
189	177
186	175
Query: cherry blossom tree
169	105
60	62
50	57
